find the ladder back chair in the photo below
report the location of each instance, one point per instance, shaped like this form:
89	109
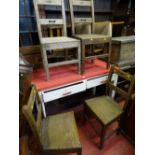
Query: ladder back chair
104	108
46	22
55	134
83	28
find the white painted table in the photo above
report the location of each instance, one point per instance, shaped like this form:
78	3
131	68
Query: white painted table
73	88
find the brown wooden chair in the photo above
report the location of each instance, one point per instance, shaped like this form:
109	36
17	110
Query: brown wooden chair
55	134
104	108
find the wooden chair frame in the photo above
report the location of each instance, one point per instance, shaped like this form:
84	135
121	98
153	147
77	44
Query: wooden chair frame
54	43
37	125
110	87
90	37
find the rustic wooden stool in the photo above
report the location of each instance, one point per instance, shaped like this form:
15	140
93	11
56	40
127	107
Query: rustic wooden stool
104	108
55	134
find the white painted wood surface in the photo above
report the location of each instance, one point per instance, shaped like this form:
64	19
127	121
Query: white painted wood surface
81	3
64	91
53	40
48	2
50	21
82	20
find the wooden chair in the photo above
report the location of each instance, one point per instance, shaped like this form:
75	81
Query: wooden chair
55	134
104	108
54	43
84	29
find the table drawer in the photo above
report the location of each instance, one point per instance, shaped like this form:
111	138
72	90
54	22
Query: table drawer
63	91
96	81
99	81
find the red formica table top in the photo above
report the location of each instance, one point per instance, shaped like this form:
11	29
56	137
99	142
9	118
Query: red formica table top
67	74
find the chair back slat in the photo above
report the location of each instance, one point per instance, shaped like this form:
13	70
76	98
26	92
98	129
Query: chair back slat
34	122
49	2
75	20
43	22
104	28
83	28
83	20
126	94
50	21
81	3
118	90
123	74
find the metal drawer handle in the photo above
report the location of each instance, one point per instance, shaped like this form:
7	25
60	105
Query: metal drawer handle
52	21
103	82
67	93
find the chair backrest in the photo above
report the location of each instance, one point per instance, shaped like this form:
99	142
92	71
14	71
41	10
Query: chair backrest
82	20
44	22
125	93
33	113
104	28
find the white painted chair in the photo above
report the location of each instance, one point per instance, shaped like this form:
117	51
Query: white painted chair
54	43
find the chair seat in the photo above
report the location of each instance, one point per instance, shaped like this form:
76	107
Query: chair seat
104	108
92	36
60	132
49	40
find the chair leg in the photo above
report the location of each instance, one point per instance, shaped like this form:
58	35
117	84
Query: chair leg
84	114
101	138
120	124
92	52
79	60
79	152
118	131
45	63
109	52
82	57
